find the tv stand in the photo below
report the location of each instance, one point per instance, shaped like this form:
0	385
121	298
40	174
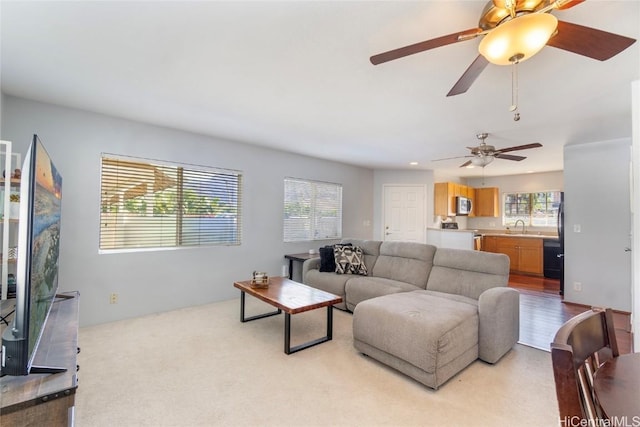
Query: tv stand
41	398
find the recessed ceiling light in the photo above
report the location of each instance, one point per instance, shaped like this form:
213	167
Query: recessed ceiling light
413	163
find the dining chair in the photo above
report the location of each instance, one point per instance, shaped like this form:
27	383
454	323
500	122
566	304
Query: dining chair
579	348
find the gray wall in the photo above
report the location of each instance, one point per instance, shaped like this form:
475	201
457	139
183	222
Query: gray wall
597	198
149	282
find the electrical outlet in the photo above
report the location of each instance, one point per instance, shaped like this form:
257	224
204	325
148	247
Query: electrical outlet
113	298
577	286
577	228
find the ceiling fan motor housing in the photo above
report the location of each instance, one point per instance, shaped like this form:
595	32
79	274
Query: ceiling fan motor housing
497	11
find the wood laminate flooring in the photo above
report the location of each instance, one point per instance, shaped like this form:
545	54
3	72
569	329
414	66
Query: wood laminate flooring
543	311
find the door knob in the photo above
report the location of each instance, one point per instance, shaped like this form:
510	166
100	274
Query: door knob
627	249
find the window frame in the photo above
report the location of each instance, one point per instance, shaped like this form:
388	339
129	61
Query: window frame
314	210
212	222
550	212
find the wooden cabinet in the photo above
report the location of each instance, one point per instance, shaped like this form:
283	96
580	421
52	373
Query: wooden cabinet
490	243
530	259
487	202
47	399
525	253
444	197
441	199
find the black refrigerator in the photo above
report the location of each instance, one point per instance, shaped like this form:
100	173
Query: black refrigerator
560	255
554	250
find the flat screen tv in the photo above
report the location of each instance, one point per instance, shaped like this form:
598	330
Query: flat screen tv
37	264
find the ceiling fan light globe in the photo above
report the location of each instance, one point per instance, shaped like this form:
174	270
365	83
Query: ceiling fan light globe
482	160
521	37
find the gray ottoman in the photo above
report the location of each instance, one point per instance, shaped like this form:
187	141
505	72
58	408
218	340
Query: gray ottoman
429	336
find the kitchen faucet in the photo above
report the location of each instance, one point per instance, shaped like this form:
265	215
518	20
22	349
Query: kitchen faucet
516	224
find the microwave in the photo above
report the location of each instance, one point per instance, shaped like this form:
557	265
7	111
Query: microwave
463	205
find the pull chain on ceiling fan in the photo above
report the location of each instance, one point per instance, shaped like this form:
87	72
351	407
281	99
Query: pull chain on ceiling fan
514	91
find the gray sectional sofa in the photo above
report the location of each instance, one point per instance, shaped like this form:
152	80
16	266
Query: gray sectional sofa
428	312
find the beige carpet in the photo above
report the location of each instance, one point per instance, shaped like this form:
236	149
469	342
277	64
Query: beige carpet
201	367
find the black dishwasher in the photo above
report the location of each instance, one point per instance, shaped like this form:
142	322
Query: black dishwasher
552	264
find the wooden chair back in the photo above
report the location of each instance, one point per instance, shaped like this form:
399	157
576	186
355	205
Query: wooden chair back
579	348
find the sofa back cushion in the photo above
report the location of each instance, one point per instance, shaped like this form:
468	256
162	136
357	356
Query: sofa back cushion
407	262
468	273
370	249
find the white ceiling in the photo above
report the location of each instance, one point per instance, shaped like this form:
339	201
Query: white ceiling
296	76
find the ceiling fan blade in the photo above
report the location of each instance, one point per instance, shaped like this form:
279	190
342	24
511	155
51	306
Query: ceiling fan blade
568	4
425	45
519	147
509	157
465	164
450	158
470	75
589	42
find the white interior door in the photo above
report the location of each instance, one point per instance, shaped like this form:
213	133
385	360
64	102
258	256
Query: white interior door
404	213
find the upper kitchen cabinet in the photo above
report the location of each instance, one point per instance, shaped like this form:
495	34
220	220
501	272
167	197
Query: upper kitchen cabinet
486	202
444	197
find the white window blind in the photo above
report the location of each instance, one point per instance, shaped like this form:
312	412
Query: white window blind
153	204
312	210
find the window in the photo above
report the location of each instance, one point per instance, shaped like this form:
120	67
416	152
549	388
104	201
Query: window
153	204
312	210
535	209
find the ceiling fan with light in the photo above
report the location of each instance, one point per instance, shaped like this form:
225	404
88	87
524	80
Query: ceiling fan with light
484	154
514	31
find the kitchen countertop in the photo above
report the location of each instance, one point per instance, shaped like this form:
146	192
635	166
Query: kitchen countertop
501	233
461	230
534	235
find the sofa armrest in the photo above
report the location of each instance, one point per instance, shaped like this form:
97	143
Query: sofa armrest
310	264
499	315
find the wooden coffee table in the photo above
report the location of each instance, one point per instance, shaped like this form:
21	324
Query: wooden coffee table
292	298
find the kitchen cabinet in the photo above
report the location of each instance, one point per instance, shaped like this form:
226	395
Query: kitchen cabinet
487	202
525	253
444	197
490	243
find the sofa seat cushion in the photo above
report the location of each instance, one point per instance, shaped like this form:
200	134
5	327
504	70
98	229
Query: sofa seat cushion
452	297
328	282
422	329
359	289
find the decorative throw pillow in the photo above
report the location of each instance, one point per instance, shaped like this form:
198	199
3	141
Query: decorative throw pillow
349	260
327	260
